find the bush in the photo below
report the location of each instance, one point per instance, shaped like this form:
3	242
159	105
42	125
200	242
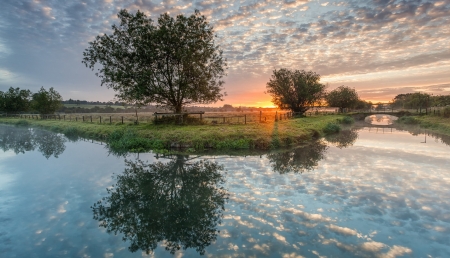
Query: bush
408	120
346	120
129	140
22	123
403	113
446	112
331	128
72	133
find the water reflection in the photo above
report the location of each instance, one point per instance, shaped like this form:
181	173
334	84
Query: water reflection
180	203
380	119
21	140
306	158
298	160
343	139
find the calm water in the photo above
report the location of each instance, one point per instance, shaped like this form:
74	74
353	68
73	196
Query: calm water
363	193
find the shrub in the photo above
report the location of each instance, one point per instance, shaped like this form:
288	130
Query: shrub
72	133
22	122
408	120
403	113
129	140
446	112
331	128
346	120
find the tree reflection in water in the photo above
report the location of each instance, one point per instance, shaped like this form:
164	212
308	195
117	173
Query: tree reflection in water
20	140
306	158
343	139
180	203
299	160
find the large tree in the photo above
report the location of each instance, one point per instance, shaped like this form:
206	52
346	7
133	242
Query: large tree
172	63
46	102
15	100
295	90
342	97
415	100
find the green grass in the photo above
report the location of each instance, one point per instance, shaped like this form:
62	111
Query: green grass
436	123
145	136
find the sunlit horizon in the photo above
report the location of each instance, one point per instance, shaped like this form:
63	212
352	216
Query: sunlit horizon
380	48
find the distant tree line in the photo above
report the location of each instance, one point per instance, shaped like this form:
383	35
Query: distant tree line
419	100
86	102
299	91
17	100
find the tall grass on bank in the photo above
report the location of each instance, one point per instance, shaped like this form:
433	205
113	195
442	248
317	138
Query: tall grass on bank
143	137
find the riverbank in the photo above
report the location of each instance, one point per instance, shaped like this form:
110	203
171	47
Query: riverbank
144	137
437	124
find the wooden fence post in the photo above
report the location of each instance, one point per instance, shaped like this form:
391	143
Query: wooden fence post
91	119
100	119
260	116
122	119
83	118
276	116
109	119
245	119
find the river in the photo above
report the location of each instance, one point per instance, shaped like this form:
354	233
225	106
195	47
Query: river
366	192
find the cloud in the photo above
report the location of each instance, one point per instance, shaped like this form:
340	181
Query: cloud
332	38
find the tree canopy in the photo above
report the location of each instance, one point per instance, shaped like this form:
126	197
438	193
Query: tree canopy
15	100
46	102
415	100
172	63
342	97
295	90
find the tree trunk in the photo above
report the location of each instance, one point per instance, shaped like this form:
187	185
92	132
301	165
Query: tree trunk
178	109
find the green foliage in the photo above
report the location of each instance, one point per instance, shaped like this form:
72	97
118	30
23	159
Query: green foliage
331	128
412	100
172	63
363	105
346	120
15	100
446	112
342	97
295	90
233	144
46	102
409	120
23	122
143	137
128	140
72	133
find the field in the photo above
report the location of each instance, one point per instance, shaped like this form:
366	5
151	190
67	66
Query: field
207	117
234	134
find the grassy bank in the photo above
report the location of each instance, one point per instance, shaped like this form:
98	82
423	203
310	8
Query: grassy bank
143	137
437	124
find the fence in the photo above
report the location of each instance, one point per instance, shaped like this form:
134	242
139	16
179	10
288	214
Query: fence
151	118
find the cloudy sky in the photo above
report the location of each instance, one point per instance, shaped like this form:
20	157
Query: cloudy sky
381	47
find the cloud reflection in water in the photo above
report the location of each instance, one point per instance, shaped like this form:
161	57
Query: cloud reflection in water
368	200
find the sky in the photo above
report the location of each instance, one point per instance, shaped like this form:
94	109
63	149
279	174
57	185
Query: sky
381	48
